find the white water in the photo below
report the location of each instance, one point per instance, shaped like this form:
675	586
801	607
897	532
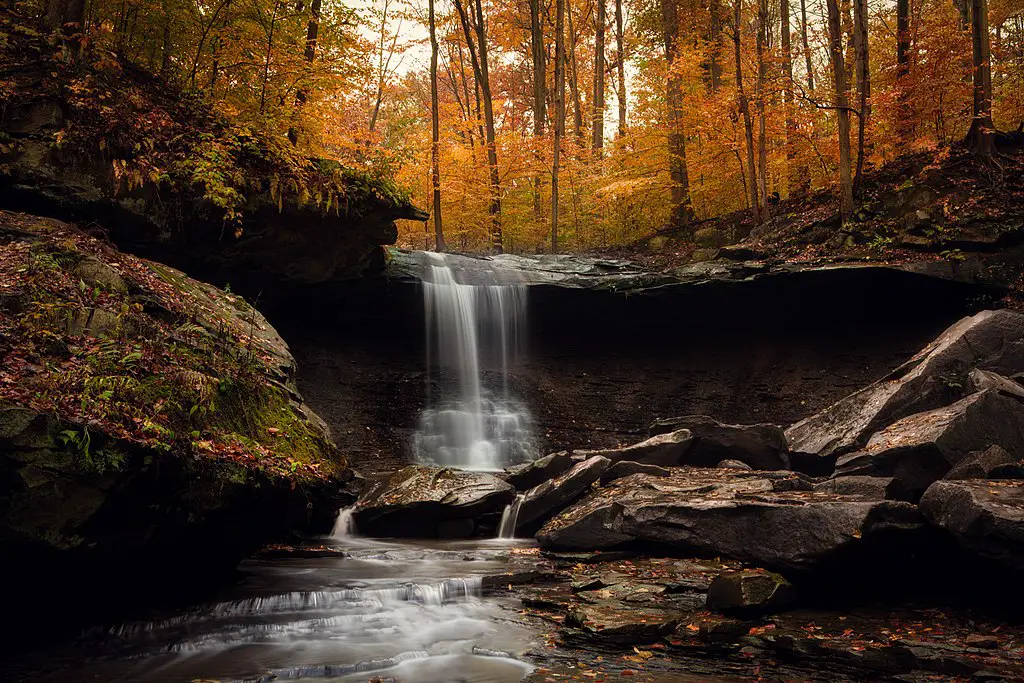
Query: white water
407	613
509	518
344	524
474	333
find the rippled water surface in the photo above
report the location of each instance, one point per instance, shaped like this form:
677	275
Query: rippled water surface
384	611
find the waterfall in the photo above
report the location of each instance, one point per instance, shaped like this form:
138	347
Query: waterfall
474	332
507	527
344	524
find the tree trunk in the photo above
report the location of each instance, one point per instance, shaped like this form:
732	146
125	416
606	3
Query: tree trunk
795	174
478	56
621	64
744	107
762	71
68	16
559	115
574	87
682	208
598	102
539	93
860	28
715	46
842	108
981	137
165	47
902	67
808	64
435	153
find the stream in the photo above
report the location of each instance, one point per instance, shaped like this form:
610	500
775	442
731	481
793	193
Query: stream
378	611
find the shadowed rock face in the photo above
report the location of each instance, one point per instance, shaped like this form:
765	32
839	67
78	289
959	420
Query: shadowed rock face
599	365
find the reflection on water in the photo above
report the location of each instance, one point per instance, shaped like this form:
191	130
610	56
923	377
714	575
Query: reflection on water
410	613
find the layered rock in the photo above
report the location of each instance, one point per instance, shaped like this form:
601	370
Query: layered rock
985	517
526	476
761	446
543	501
420	501
936	376
922	448
758	517
670	448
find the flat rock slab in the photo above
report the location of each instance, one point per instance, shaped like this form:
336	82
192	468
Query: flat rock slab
936	376
986	517
419	501
543	501
754	517
632	623
670	448
761	446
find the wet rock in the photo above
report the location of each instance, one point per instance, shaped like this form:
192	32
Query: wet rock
981	464
761	446
981	641
627	624
734	465
667	449
750	591
936	376
986	517
525	477
874	488
727	513
541	502
420	501
922	448
625	468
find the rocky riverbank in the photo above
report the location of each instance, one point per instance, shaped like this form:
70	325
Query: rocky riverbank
756	549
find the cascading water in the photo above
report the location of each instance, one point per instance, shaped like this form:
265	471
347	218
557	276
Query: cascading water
344	524
509	518
473	339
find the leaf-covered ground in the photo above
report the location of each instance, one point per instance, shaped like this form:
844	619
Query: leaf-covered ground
942	205
127	353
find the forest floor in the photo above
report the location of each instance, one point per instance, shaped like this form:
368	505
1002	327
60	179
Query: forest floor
941	205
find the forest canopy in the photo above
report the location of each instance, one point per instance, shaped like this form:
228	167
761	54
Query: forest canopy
574	124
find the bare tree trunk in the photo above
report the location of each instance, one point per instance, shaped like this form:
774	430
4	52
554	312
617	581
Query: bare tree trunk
744	107
860	35
762	70
715	58
981	136
902	67
808	64
794	173
165	47
67	15
559	115
842	109
621	64
539	93
435	153
574	86
598	102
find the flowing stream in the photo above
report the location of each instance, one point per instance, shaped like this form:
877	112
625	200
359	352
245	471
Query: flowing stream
475	324
409	613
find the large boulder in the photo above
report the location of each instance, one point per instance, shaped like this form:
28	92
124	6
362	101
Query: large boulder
419	501
762	446
748	591
668	449
922	448
525	477
755	517
936	376
992	463
985	517
541	502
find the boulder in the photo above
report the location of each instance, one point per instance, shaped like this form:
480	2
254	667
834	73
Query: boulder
980	380
420	501
936	376
749	591
666	449
748	516
541	502
525	477
986	517
622	623
762	446
922	448
734	465
874	488
625	468
982	464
